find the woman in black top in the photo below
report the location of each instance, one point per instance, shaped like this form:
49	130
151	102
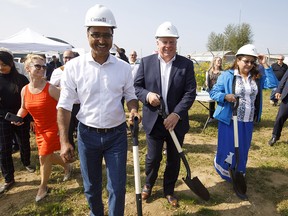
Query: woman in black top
11	83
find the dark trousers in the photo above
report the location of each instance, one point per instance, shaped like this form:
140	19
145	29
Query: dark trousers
7	131
211	109
73	124
155	142
281	117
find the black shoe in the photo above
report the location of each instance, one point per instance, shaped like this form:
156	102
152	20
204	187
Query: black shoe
272	141
6	186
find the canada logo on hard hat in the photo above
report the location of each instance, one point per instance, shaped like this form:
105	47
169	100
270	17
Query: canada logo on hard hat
96	19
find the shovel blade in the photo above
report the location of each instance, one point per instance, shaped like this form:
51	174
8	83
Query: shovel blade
239	183
197	187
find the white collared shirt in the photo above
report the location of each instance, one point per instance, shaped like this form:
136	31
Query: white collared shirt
165	69
56	77
99	89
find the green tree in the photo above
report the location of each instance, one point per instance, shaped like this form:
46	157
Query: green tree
233	37
215	42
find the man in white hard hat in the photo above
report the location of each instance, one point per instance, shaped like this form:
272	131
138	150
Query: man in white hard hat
99	80
170	76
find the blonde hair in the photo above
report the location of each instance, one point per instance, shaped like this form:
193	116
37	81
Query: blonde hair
30	57
213	62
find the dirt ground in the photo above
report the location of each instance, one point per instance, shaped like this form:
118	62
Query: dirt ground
223	201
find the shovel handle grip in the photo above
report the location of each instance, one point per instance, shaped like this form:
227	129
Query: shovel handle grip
135	127
235	106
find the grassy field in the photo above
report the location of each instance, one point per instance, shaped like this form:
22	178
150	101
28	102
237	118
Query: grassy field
267	178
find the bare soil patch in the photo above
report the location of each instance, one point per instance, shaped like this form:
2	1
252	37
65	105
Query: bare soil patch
200	149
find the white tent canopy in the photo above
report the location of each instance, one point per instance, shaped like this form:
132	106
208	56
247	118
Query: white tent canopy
28	41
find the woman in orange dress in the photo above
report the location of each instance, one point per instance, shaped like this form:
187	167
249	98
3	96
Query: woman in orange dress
39	98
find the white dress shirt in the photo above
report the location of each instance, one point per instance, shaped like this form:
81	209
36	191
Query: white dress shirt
56	77
99	89
165	69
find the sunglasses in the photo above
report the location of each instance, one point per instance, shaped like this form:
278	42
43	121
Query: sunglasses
38	66
280	59
97	35
247	61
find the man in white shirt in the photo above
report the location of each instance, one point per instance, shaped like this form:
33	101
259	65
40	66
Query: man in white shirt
55	80
133	62
99	80
57	73
170	76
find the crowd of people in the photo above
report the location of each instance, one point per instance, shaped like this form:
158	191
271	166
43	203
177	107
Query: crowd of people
87	93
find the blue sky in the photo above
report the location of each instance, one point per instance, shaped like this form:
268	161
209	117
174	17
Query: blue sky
138	20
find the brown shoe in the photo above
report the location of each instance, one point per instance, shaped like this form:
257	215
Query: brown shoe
172	201
146	192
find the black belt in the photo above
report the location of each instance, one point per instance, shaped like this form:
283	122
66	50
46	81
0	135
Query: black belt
101	130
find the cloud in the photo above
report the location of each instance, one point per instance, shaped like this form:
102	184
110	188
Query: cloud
24	3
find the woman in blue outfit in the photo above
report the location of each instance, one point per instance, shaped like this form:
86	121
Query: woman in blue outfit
246	80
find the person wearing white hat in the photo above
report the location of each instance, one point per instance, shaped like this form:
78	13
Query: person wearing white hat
245	80
170	76
99	80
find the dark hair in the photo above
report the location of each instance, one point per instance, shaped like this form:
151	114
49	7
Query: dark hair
91	26
255	73
7	59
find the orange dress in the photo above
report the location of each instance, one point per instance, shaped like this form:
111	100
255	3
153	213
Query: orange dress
42	108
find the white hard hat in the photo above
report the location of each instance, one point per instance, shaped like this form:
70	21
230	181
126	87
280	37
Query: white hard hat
167	29
100	15
247	49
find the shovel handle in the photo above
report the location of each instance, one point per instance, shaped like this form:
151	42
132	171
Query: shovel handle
134	131
175	140
135	128
235	106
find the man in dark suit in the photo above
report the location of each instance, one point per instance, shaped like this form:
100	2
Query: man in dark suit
279	69
171	77
282	115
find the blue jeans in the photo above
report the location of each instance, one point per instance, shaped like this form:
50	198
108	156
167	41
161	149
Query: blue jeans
111	146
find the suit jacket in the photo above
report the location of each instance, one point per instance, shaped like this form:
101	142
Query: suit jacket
181	90
283	87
